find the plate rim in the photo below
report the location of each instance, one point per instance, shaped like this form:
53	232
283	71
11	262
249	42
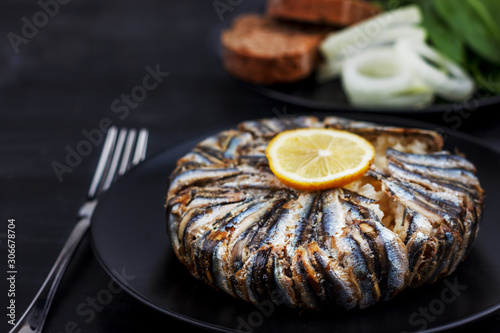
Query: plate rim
172	144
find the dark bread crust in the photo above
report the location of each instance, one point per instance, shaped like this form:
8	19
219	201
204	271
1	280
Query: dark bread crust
259	70
335	12
261	50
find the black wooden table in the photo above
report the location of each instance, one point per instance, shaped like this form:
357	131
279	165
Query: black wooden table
61	74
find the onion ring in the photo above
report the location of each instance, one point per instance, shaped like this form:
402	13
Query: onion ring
360	35
453	84
377	77
333	66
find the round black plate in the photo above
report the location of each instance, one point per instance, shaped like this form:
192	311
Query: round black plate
129	236
328	96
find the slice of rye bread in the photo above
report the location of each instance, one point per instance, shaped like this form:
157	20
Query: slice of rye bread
261	50
335	12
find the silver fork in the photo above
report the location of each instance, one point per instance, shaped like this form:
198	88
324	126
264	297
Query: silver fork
122	149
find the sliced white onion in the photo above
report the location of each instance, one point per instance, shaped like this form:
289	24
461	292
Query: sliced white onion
378	77
449	82
360	35
408	32
332	67
384	61
376	71
418	96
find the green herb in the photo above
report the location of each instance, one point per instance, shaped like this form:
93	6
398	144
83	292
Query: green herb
392	4
465	31
469	24
486	10
441	35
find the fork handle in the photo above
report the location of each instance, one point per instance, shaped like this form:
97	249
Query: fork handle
34	317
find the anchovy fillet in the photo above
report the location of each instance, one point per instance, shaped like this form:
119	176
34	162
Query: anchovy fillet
239	229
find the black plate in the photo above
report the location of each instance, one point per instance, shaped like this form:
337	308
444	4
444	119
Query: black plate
129	233
328	96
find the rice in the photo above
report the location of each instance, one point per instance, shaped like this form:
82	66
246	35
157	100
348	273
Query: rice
388	141
389	211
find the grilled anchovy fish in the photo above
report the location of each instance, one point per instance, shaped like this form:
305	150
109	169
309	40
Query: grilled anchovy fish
239	229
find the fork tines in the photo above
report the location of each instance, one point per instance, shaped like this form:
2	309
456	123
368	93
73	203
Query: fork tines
119	145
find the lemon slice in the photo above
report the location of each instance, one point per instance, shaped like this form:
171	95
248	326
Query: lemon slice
316	159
